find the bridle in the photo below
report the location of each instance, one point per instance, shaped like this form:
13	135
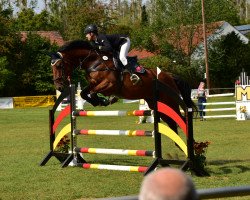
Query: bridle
95	66
54	63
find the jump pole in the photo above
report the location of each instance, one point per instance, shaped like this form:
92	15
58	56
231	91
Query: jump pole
73	156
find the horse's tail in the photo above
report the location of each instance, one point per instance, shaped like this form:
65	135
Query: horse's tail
185	91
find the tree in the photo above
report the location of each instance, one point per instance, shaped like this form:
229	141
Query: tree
144	16
72	21
227	57
35	76
174	23
25	67
28	20
8	41
5	74
223	10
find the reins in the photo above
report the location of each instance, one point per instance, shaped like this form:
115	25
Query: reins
95	67
100	65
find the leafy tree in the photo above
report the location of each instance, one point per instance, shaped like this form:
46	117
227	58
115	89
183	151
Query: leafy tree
144	16
5	74
142	38
227	57
27	66
160	61
28	20
9	42
72	22
36	74
7	36
223	10
174	20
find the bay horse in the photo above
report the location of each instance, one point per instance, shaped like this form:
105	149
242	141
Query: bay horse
104	77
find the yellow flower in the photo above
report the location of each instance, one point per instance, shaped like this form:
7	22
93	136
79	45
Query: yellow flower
243	109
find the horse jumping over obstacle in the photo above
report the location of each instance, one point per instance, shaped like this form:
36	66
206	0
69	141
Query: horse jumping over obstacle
103	77
74	156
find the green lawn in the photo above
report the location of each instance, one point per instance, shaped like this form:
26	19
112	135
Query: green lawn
25	141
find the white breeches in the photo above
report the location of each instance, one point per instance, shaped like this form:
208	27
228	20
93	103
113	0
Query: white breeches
124	52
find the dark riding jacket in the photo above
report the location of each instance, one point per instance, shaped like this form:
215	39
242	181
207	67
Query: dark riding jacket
109	43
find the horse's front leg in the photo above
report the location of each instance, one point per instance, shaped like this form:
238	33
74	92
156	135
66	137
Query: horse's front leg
95	100
104	88
91	98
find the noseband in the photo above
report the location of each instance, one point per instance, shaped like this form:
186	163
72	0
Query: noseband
56	57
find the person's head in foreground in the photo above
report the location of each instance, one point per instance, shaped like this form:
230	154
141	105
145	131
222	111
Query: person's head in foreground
167	184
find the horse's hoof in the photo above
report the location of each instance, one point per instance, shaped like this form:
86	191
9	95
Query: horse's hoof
113	99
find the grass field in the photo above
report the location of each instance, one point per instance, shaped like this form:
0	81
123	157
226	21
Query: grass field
25	141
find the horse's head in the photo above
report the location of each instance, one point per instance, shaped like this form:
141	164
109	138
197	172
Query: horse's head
68	57
76	54
58	69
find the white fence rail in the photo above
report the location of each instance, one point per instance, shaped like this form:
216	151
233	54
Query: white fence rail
220	109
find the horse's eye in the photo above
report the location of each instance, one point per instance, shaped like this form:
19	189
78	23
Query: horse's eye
58	65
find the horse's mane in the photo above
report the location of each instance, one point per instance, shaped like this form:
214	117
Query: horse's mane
75	44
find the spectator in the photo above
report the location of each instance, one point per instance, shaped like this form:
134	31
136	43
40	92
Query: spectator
167	184
202	98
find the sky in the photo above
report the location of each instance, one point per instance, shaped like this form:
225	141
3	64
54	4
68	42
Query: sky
40	5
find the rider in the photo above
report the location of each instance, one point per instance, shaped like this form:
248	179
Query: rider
111	43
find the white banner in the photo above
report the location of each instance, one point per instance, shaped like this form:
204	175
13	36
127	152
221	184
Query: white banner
6	102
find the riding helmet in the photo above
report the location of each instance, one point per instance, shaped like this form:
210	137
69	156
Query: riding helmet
92	28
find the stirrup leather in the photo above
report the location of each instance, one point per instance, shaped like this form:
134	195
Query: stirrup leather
134	79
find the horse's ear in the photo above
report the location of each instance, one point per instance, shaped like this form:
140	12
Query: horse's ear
54	56
50	54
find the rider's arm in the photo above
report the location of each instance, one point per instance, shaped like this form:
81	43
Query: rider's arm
94	45
104	44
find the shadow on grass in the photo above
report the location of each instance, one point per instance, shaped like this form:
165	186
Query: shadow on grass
229	166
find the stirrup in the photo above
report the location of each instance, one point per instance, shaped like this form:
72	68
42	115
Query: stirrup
135	79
